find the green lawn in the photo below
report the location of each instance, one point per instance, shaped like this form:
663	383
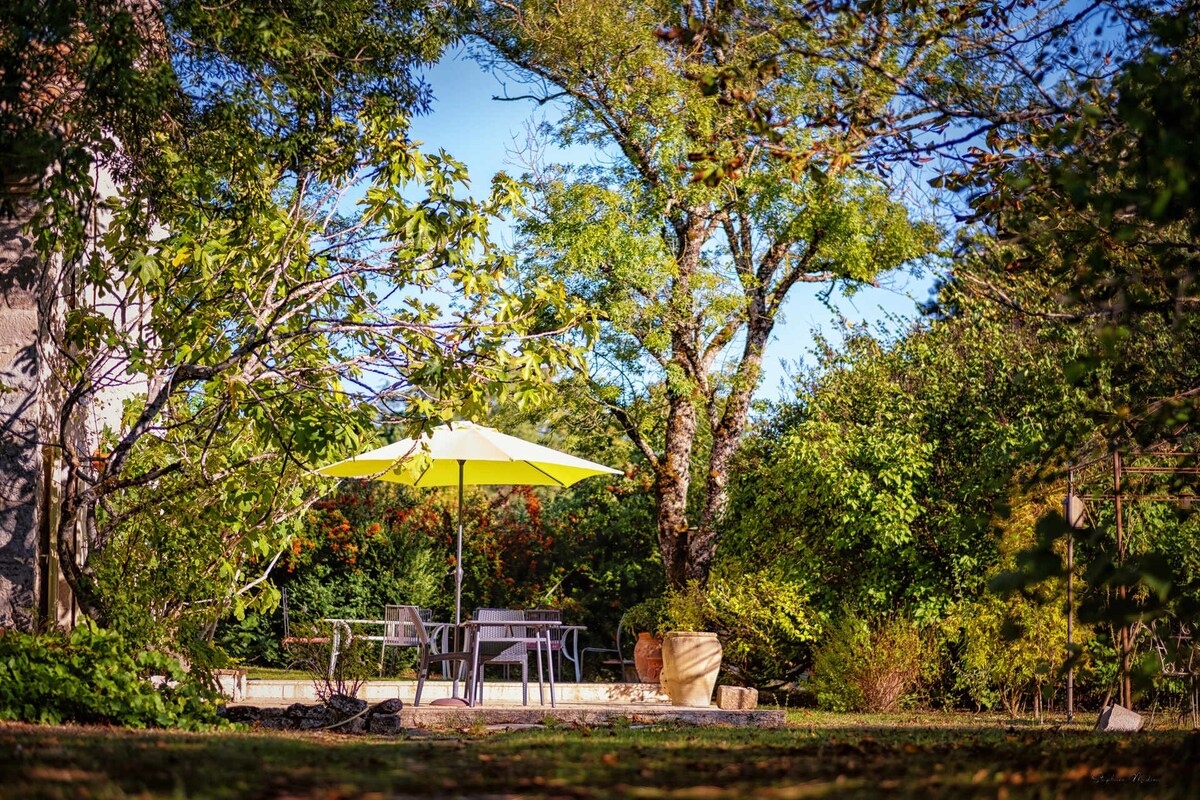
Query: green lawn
272	674
816	756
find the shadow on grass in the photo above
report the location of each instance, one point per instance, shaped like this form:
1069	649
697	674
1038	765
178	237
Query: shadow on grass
666	762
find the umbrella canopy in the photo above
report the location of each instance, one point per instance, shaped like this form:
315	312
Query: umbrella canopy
465	453
486	456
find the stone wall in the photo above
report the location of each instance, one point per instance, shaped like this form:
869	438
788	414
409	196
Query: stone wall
21	457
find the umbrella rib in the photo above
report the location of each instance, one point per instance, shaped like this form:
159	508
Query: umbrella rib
547	474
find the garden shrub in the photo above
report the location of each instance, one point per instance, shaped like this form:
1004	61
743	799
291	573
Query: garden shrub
253	639
605	549
1011	650
646	616
358	552
95	676
766	624
688	609
1097	668
764	621
357	662
866	665
352	555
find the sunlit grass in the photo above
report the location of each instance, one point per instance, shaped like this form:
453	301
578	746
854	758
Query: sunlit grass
818	755
272	674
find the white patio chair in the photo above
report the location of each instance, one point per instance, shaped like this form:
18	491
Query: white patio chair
396	630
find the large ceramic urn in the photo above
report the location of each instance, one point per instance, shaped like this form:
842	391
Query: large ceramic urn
647	658
691	661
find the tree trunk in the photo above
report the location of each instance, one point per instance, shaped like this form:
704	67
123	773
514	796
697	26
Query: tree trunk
673	471
673	479
75	533
726	437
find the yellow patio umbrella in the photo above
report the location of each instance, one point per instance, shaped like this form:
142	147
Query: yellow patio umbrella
464	453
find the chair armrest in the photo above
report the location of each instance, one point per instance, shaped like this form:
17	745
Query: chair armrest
587	650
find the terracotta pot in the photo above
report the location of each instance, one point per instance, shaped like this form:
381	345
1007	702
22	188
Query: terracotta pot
647	658
691	661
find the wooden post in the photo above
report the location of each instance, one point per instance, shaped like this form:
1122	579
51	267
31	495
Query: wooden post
1070	625
1070	596
1126	692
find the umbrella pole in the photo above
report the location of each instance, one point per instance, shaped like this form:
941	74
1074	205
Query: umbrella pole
458	576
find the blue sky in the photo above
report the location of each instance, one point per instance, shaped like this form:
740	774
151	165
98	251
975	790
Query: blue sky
479	131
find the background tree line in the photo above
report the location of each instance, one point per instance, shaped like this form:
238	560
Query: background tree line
754	147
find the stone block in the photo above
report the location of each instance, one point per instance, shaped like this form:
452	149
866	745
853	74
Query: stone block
354	726
385	724
736	698
232	683
274	722
242	714
1118	719
316	718
393	705
345	706
298	711
273	719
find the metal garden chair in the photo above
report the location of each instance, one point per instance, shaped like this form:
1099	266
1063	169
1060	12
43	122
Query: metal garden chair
504	643
626	667
405	627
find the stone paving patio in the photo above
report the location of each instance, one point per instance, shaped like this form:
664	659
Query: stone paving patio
577	704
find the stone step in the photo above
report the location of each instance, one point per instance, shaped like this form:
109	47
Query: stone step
264	691
410	721
578	703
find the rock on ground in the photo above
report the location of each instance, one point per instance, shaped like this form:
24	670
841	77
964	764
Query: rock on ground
1118	719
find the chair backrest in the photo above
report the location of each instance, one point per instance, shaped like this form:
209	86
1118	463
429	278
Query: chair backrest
492	653
403	626
547	615
487	632
621	629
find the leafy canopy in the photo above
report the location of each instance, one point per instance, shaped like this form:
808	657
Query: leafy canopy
688	266
254	263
